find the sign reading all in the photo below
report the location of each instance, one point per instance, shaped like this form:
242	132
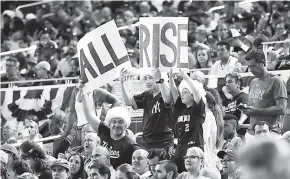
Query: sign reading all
102	54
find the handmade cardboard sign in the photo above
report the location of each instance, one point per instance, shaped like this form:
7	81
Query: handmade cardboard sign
102	54
163	42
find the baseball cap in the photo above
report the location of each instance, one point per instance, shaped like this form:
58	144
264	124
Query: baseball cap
9	148
230	153
60	162
43	64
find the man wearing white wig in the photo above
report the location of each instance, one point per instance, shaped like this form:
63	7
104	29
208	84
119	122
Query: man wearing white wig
155	102
112	131
188	115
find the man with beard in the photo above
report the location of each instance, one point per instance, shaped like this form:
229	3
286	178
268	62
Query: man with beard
267	94
165	169
64	66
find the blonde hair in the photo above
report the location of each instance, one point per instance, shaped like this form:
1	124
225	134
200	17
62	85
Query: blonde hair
196	151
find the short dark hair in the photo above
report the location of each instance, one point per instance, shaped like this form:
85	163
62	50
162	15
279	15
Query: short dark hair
169	166
256	54
58	118
160	153
229	116
102	169
260	123
237	77
20	166
227	44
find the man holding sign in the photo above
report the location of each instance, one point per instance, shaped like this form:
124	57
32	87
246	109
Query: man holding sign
101	53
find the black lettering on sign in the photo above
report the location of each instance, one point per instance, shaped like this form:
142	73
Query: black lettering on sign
85	64
103	69
181	44
112	52
144	44
156	45
164	40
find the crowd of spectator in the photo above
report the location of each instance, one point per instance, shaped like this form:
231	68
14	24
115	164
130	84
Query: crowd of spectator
205	116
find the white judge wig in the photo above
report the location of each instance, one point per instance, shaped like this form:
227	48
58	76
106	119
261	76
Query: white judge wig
118	112
197	84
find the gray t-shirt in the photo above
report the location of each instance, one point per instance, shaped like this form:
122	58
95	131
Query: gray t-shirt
263	94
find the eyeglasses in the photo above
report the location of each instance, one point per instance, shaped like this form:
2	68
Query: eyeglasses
190	157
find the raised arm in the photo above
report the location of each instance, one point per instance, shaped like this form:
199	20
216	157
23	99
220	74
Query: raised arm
91	117
196	91
72	115
172	87
128	101
165	91
105	96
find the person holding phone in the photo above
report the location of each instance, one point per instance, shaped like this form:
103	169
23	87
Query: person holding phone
267	95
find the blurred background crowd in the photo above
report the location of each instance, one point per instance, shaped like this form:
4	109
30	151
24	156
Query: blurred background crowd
218	42
55	27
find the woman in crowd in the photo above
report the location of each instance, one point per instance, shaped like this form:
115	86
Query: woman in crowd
218	113
112	131
210	133
203	58
193	160
77	166
31	127
125	171
188	115
35	157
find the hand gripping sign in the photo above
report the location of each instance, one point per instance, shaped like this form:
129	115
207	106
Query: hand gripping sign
102	54
163	42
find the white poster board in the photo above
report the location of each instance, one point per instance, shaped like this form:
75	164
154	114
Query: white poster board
163	42
102	54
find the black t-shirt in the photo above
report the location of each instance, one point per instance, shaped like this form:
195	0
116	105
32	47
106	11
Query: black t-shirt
188	126
231	105
156	117
121	151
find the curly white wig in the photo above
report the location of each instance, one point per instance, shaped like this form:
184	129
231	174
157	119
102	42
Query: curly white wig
118	112
197	84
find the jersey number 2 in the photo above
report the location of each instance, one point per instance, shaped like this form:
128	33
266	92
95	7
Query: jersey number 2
186	127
